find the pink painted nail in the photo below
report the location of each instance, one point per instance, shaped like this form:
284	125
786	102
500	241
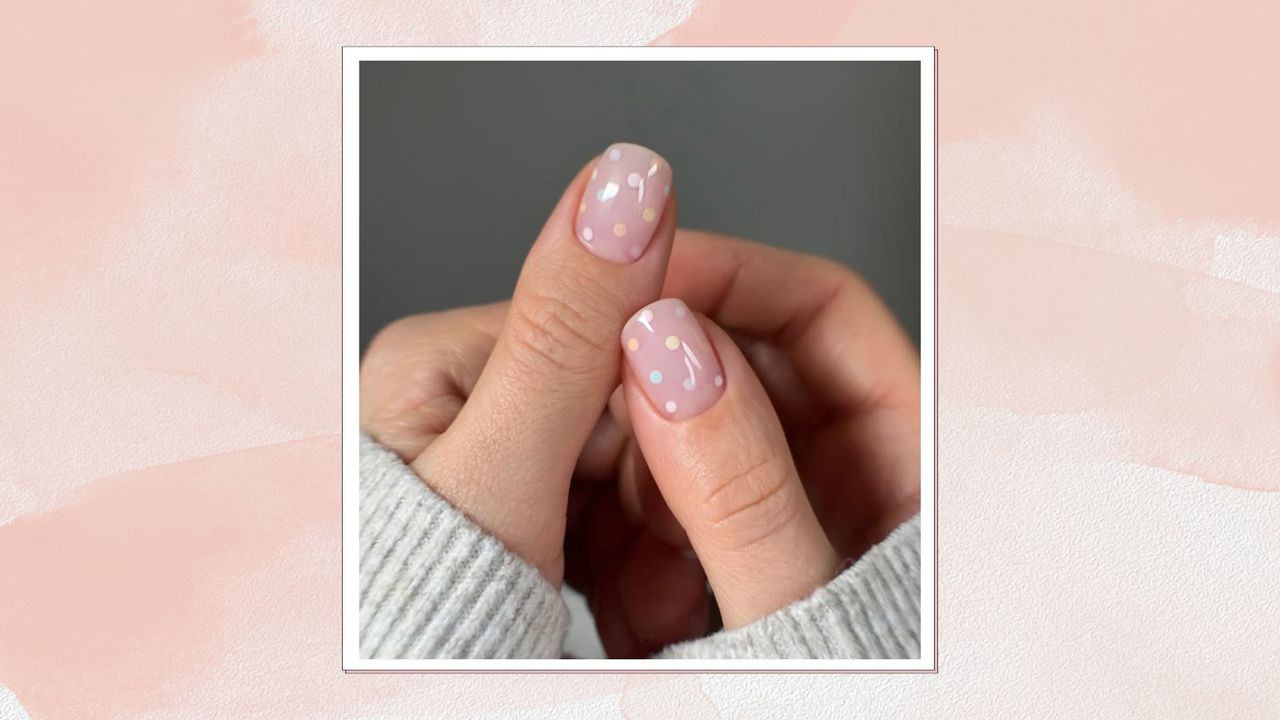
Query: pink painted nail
673	359
624	198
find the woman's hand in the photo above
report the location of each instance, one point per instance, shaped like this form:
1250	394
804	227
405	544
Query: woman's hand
804	454
818	417
492	406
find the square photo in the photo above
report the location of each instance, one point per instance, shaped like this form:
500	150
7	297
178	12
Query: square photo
638	359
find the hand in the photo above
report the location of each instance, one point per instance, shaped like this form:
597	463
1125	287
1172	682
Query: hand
828	357
819	383
493	406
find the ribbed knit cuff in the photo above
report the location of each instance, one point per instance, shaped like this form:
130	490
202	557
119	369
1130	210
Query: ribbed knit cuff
434	585
871	610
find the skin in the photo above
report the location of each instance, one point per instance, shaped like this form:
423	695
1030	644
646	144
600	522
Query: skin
523	415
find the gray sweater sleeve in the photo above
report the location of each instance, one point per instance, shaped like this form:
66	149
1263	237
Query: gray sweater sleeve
871	610
434	585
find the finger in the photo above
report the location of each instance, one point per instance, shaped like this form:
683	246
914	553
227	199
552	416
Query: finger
578	573
643	502
605	537
835	330
602	452
797	406
419	370
648	596
507	459
842	343
719	456
663	593
618	410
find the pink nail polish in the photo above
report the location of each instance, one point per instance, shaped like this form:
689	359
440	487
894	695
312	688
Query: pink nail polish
623	201
673	359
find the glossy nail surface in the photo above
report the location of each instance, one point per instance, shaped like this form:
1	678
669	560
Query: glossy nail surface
673	359
624	198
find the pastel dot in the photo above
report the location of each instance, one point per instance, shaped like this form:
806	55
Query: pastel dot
671	406
673	342
688	383
619	229
582	207
666	190
594	172
681	311
649	214
656	166
615	154
633	180
587	234
719	380
633	344
655	377
635	251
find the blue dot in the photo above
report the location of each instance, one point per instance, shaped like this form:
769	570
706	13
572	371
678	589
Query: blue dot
655	377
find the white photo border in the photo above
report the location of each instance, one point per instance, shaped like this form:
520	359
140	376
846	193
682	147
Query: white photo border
351	59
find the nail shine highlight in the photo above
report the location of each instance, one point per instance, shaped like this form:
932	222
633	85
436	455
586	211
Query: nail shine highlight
622	202
666	347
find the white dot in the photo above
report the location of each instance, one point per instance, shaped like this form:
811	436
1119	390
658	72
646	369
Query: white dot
646	317
633	180
681	311
615	154
655	377
587	234
671	406
719	381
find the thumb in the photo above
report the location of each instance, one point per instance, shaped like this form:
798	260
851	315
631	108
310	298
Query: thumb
507	458
720	458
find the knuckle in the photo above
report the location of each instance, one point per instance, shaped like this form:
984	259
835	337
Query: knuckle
836	274
406	393
754	502
394	336
846	279
398	345
549	334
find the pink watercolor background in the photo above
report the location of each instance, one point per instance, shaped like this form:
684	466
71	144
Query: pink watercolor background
1109	268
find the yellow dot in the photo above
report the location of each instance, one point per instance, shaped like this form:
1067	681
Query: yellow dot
649	214
594	173
582	207
673	342
619	229
633	344
657	165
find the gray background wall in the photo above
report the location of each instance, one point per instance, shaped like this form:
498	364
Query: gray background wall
460	163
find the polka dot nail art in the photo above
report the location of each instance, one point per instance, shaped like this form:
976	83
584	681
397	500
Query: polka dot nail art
668	351
623	202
